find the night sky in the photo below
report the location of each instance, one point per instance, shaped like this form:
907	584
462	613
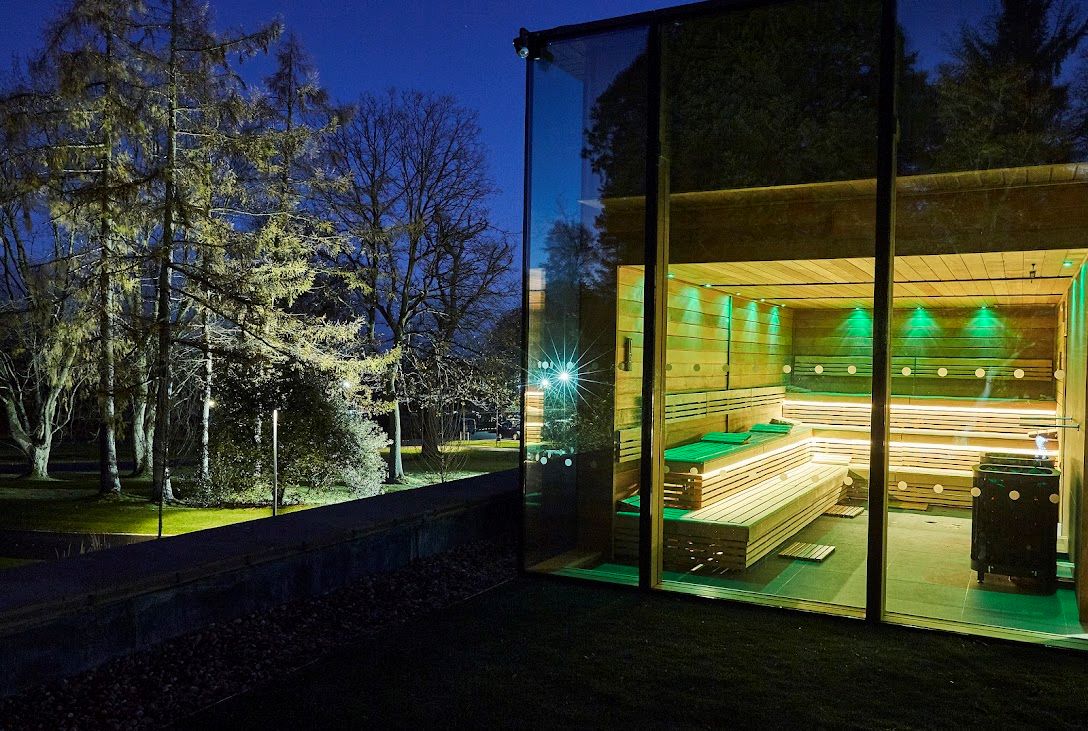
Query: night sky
460	47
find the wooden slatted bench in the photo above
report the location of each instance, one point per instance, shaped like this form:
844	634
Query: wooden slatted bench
735	532
694	480
935	442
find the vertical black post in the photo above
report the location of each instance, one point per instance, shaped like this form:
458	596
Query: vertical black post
887	131
526	219
655	302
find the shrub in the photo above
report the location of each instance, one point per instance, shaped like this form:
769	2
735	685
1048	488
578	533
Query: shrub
324	442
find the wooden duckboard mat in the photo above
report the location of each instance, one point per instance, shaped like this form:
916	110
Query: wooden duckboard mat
807	551
844	511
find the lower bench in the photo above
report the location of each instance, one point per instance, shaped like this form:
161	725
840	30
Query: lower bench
737	531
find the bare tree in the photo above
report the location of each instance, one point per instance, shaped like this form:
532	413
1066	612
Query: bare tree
408	190
43	330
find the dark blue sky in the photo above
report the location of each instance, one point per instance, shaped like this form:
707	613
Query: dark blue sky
461	47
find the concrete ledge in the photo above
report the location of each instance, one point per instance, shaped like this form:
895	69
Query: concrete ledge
61	617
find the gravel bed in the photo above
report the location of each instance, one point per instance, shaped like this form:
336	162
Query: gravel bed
173	680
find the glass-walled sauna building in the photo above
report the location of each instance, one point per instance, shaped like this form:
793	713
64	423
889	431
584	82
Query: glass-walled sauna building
805	308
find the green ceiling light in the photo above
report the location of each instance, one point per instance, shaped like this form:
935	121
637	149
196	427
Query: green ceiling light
671	275
1067	263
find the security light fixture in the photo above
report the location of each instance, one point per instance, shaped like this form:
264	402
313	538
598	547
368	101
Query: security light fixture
528	46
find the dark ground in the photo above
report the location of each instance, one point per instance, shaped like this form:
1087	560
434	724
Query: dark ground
169	682
540	653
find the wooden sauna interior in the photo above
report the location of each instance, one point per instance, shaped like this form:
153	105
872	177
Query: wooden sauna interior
770	318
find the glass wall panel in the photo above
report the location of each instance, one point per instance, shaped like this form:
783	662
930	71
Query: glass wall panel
771	132
587	216
988	349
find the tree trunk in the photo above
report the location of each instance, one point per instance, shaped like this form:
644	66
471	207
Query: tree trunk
39	461
205	467
141	454
394	460
258	429
160	468
109	481
161	488
431	428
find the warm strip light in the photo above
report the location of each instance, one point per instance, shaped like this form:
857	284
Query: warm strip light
756	458
914	407
928	447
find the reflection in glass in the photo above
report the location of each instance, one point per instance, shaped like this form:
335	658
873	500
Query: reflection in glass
583	411
987	332
772	151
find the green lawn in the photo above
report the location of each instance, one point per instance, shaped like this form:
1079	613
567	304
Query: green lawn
464	459
70	503
131	513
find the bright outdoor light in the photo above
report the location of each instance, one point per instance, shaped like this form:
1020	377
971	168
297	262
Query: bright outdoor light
564	376
545	383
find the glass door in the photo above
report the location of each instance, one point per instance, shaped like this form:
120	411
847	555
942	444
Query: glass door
770	132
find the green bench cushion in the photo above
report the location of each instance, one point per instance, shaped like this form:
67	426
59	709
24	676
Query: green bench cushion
725	437
772	428
700	451
631	505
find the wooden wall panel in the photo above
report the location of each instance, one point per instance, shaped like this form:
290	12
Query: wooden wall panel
714	341
1074	448
988	336
761	344
697	342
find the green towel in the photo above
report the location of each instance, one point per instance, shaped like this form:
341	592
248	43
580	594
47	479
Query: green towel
772	428
724	437
699	452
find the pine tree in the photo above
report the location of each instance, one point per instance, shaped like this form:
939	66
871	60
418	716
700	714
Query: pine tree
91	71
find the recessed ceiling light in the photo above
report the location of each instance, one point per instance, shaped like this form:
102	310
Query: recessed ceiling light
1067	263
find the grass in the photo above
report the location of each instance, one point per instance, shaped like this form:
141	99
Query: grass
465	459
546	654
131	513
84	511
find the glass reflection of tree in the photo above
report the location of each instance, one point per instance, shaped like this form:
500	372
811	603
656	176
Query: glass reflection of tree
571	365
1001	101
772	96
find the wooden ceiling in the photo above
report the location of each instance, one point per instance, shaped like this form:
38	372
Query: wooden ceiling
1038	277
